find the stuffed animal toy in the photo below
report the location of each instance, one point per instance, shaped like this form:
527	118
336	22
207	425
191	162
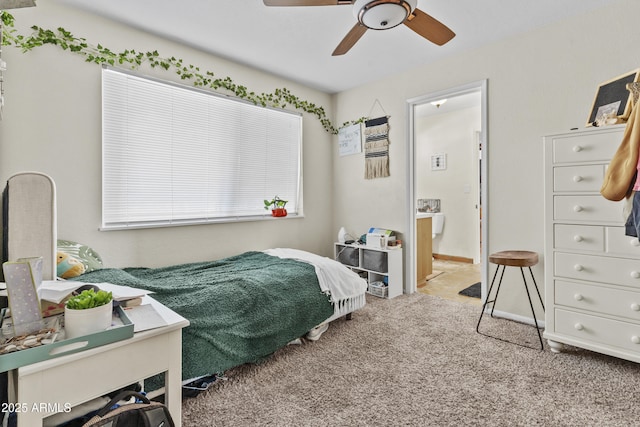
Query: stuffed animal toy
68	266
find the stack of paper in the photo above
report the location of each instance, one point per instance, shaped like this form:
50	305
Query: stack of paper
58	290
145	317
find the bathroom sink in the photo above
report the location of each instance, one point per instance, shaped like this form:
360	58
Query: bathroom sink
421	215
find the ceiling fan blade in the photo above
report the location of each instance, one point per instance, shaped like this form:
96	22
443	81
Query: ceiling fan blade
13	4
429	27
305	2
350	39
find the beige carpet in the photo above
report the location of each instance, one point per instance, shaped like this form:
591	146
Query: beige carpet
417	361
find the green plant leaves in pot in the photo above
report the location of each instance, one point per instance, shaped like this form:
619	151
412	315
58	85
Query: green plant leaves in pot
89	299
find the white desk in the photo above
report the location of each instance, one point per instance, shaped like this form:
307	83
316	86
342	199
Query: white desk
80	377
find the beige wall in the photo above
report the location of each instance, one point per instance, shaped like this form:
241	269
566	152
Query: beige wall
539	83
52	124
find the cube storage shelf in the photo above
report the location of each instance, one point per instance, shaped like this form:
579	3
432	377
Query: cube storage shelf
376	266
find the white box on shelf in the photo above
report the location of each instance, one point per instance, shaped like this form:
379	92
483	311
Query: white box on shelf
377	240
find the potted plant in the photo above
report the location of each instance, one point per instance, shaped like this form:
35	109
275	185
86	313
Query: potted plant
277	206
87	312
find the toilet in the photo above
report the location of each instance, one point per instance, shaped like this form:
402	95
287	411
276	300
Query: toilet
437	224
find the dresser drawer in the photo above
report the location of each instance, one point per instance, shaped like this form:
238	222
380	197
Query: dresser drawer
587	208
598	330
591	268
579	237
599	299
586	148
617	243
578	178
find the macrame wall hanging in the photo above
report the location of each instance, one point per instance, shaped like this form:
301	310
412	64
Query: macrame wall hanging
376	144
376	148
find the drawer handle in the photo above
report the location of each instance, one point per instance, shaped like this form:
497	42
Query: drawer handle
634	242
635	307
578	238
635	274
579	297
577	208
578	267
635	339
577	148
577	178
578	326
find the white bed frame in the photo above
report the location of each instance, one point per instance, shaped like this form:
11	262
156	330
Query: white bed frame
347	307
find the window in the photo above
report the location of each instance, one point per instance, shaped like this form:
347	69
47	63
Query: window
176	155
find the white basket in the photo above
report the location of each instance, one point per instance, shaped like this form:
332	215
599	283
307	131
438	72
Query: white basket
378	289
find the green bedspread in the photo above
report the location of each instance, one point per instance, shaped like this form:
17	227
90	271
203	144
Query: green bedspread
241	308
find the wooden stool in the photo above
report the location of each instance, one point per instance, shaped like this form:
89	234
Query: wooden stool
512	259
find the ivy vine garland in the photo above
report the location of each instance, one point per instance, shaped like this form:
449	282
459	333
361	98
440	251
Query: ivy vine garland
98	54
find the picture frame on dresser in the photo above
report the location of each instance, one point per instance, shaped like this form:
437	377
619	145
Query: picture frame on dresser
612	98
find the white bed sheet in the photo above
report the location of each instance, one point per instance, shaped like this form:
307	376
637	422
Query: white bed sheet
336	280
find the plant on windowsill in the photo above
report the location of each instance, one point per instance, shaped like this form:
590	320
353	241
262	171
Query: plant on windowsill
277	206
87	312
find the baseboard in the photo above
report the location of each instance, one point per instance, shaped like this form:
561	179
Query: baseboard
443	257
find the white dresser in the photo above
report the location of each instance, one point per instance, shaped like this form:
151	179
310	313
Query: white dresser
592	270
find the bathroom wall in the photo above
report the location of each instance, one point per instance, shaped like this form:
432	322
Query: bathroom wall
454	135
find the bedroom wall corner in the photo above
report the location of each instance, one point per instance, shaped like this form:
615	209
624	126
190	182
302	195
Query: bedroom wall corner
539	83
52	124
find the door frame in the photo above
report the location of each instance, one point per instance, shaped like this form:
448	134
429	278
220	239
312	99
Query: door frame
410	239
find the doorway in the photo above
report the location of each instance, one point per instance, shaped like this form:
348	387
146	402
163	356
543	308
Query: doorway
454	124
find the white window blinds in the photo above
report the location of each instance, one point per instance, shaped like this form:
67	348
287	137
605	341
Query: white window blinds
175	155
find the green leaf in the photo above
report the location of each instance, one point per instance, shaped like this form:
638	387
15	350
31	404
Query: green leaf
89	299
99	54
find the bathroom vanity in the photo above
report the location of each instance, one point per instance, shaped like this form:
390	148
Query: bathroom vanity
424	247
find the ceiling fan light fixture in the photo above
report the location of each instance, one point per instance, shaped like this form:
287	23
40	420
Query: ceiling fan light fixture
383	14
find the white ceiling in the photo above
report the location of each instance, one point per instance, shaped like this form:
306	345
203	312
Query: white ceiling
297	42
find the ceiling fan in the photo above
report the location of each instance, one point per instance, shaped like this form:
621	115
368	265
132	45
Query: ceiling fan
380	15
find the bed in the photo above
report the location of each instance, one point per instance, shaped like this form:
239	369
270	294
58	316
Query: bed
241	309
